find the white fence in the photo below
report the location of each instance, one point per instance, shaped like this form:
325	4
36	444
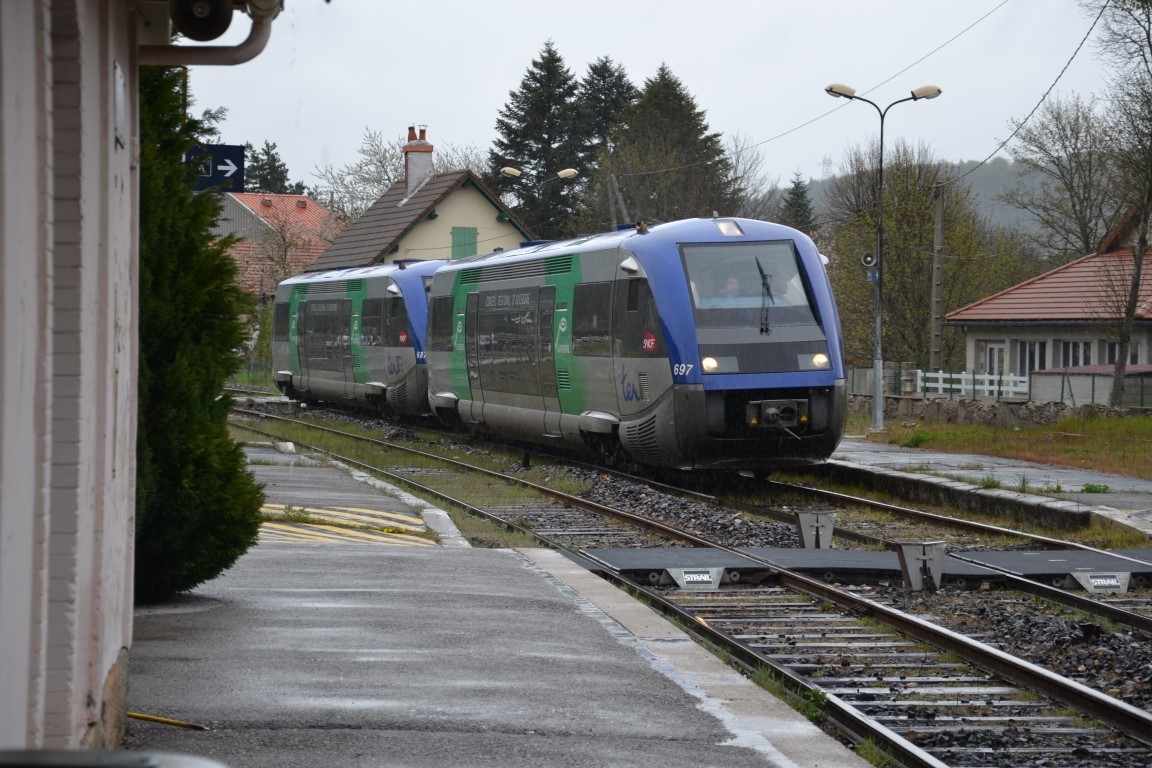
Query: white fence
1072	388
916	383
964	384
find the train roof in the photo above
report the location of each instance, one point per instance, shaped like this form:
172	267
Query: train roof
363	273
685	230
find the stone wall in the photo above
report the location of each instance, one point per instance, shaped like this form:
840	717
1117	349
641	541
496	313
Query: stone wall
1005	413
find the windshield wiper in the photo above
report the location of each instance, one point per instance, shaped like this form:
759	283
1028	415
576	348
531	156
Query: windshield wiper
765	299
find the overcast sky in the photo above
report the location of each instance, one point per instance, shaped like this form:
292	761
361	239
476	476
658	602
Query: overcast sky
757	68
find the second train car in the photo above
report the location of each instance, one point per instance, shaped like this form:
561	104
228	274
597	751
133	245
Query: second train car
709	343
355	336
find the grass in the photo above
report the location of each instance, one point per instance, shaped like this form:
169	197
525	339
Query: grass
1104	444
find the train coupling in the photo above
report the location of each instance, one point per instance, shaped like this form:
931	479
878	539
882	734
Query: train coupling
776	414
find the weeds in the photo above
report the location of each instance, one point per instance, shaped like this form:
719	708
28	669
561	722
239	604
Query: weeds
293	514
1118	446
875	754
917	439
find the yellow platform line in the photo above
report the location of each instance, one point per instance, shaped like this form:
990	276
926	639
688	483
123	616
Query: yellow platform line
296	532
352	514
398	516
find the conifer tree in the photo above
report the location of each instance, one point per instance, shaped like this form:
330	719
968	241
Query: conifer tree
601	97
264	171
796	212
669	163
197	508
538	132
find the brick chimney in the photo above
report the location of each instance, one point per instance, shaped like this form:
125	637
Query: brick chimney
417	160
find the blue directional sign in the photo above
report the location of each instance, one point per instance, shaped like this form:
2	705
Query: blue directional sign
221	165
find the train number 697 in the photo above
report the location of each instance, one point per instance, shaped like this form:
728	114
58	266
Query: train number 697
682	369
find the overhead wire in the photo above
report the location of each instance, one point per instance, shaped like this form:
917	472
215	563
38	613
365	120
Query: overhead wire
1043	98
819	117
935	50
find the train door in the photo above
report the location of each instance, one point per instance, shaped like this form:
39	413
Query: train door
300	320
346	348
638	346
546	360
475	408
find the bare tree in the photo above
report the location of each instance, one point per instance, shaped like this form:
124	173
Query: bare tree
1066	184
351	189
286	248
1126	38
759	196
979	259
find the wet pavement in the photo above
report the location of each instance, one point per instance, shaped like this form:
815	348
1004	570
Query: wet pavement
1125	500
382	654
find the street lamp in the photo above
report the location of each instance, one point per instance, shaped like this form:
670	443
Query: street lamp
536	194
563	173
838	90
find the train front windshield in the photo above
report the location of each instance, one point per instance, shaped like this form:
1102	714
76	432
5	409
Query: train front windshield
747	284
753	309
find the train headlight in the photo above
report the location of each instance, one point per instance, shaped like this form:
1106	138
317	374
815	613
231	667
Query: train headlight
813	361
709	364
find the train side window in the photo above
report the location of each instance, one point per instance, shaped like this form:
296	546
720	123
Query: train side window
591	309
440	327
372	322
280	315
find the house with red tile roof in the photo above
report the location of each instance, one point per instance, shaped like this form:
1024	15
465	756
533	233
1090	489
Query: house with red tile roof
280	236
1064	319
426	216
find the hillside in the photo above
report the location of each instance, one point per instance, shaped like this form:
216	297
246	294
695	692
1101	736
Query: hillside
986	182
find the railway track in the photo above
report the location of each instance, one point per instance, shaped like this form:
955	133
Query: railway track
926	694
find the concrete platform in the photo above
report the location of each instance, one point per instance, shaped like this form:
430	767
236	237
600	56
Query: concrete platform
374	654
1022	488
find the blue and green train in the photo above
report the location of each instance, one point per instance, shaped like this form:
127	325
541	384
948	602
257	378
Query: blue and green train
355	336
699	344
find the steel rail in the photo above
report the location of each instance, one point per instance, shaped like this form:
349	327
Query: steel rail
1132	721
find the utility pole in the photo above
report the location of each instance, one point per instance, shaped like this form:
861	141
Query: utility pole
619	198
936	355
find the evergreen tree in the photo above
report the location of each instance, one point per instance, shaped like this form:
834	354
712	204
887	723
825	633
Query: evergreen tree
264	171
601	97
668	163
197	508
538	132
797	209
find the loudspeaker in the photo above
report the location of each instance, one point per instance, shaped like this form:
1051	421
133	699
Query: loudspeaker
868	259
201	20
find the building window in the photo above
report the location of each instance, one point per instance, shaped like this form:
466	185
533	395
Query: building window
1074	353
1109	350
1031	356
463	242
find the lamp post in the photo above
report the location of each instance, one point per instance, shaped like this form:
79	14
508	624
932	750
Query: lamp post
839	90
536	196
564	173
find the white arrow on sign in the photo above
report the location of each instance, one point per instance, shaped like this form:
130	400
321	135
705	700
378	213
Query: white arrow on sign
228	167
